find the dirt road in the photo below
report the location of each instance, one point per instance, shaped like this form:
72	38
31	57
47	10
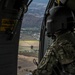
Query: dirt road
25	63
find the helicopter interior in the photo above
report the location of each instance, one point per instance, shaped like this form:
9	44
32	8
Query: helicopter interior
11	16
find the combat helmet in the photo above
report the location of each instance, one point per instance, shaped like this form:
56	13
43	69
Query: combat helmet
69	3
60	18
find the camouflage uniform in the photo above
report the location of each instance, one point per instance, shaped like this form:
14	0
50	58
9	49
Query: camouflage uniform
60	56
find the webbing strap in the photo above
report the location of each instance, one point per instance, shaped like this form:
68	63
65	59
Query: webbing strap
58	1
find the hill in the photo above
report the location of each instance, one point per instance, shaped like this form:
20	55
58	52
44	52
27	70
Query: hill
34	16
30	20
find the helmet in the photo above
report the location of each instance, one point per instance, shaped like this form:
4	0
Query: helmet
69	3
60	18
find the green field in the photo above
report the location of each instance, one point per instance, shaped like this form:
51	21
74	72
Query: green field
25	47
28	43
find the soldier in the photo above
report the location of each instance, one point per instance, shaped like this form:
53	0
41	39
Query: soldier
60	57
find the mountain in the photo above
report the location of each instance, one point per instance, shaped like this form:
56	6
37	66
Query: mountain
37	8
34	16
30	21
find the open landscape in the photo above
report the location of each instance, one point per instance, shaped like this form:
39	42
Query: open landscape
29	48
26	65
26	56
29	37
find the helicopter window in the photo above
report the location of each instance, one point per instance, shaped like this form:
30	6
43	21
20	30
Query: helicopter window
29	37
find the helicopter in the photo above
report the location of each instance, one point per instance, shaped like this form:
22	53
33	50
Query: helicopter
11	16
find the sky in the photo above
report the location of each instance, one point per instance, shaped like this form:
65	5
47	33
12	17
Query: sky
41	1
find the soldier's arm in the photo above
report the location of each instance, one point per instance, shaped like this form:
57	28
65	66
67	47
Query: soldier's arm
46	65
66	52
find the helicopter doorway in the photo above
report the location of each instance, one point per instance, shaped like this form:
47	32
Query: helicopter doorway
29	37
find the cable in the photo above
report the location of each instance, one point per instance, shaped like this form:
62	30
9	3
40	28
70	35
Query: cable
29	2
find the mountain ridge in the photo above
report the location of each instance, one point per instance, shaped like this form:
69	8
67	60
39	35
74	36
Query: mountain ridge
31	21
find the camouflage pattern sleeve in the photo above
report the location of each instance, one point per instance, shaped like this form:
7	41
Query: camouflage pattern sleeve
65	52
46	64
62	51
66	56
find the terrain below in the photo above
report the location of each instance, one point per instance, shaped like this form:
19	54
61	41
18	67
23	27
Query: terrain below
25	64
